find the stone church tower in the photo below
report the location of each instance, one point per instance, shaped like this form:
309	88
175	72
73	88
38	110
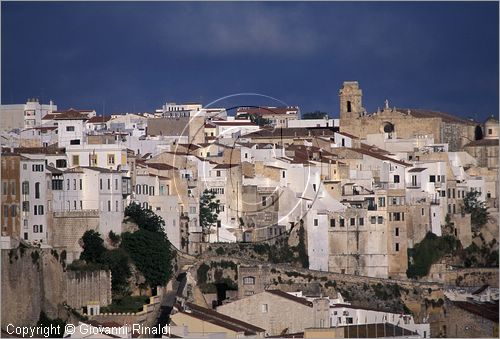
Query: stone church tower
402	123
351	104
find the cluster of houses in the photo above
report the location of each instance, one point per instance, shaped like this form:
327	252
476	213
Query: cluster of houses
363	199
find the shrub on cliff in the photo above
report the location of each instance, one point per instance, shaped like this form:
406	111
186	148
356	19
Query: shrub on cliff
429	251
145	218
93	247
151	253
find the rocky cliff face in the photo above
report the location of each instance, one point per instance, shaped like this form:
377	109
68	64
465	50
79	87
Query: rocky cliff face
32	281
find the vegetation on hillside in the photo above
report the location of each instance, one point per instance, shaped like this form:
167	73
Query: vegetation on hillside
208	210
477	209
429	251
148	249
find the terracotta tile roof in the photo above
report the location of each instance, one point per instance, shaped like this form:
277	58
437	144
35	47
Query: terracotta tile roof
99	119
234	123
291	297
297	132
425	113
348	135
160	166
417	170
485	310
52	149
225	166
71	114
379	155
220	319
379	330
49	116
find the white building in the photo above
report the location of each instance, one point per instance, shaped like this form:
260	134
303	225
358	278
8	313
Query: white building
26	115
153	192
35	188
98	189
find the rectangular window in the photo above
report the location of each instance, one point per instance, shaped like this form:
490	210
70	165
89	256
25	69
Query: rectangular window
423	211
109	205
116	184
26	187
70	128
381	202
432	178
111	159
380	220
217	173
315	222
332	222
361	221
264	201
353	221
76	160
397	231
341	222
264	308
100	184
26	206
396	179
116	205
373	220
109	184
61	163
397	247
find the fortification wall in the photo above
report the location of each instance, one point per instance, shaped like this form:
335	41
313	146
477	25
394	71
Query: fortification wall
33	280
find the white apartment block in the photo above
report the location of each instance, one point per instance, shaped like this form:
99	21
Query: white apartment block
35	192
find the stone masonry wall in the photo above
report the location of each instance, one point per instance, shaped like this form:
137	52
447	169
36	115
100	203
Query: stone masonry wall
33	280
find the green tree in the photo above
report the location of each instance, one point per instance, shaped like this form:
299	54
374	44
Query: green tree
145	218
315	115
93	247
429	251
151	254
117	261
301	246
477	209
209	210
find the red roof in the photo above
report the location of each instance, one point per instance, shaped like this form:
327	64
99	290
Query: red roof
71	114
98	119
160	166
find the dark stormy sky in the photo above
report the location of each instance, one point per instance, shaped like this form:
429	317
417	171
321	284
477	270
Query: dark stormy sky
133	57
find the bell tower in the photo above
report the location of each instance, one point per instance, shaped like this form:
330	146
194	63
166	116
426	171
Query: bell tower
351	104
